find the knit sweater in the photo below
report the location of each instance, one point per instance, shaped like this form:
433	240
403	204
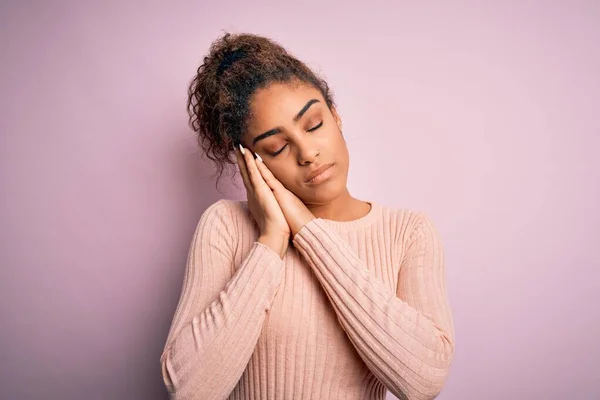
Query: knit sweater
354	308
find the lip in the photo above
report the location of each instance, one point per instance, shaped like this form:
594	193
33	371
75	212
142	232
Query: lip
321	174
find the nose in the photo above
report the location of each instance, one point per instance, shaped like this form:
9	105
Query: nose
307	153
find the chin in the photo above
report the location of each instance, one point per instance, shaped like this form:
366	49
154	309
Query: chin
323	193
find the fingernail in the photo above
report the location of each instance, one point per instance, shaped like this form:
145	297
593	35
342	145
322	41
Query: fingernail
242	149
257	156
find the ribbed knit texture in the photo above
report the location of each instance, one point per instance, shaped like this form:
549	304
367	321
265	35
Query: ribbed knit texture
354	308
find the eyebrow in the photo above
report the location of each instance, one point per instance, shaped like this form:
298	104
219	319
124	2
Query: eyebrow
277	130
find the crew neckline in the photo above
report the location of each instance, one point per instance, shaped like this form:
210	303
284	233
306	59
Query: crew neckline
363	221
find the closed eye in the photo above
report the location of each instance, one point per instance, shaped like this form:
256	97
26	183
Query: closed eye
314	128
279	151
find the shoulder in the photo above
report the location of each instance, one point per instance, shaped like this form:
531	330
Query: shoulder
403	217
406	222
220	207
232	213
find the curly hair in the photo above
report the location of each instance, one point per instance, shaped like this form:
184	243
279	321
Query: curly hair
220	93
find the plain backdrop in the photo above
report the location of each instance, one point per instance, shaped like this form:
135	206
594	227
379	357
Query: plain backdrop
483	114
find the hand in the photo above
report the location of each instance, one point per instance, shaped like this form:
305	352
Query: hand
295	211
273	226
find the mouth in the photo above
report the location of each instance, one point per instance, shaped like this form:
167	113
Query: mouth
323	174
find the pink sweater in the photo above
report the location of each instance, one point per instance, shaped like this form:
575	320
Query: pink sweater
354	308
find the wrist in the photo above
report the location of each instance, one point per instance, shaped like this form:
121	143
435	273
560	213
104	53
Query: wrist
301	224
276	243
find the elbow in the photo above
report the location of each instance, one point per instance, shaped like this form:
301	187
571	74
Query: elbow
186	387
426	380
168	374
445	352
429	389
426	391
436	376
435	386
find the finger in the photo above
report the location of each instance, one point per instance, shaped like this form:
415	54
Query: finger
253	173
243	169
268	176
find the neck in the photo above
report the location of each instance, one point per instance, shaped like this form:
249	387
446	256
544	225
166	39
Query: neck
342	208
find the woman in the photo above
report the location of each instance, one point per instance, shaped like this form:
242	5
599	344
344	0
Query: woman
302	291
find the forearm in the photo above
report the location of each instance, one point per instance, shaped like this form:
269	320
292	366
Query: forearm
404	348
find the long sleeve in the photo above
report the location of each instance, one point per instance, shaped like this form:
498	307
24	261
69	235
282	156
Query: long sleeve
405	338
220	313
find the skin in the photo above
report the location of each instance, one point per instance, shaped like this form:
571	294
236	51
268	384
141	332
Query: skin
303	150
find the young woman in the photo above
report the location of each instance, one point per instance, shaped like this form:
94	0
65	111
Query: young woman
302	291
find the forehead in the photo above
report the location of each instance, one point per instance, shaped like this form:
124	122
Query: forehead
278	103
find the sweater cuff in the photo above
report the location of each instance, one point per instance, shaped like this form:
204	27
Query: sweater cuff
313	231
271	264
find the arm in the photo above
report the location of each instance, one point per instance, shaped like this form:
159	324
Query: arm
405	338
219	315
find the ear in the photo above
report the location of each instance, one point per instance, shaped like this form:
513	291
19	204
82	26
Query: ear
337	118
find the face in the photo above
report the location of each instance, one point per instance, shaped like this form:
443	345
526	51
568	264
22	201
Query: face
294	132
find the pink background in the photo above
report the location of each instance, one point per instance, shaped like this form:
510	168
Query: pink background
485	116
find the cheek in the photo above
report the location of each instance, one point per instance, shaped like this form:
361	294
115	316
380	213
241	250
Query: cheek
283	174
339	148
335	139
